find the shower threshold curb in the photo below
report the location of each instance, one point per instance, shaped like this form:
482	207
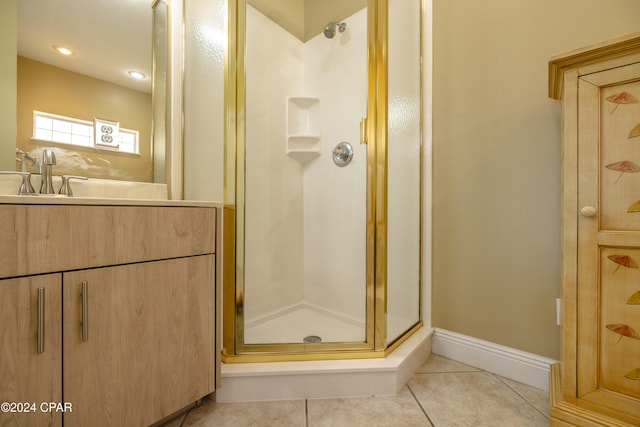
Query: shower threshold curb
244	382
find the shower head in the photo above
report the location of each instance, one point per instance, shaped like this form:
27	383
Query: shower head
330	29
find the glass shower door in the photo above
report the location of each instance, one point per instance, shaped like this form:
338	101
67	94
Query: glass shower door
324	231
305	173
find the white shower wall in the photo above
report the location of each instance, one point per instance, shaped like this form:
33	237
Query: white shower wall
335	197
305	224
274	216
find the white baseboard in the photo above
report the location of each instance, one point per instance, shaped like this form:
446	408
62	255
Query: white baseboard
517	365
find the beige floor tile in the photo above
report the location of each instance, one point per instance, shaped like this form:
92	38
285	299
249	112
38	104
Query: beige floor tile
436	363
175	422
287	413
396	411
535	396
451	393
473	399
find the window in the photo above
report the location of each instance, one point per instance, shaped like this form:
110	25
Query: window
67	130
128	140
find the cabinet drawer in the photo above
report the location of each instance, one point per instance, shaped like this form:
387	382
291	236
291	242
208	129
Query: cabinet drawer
51	238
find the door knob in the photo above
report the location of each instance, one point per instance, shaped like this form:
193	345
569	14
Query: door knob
588	211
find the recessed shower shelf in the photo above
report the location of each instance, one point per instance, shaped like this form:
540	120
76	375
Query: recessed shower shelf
303	148
303	136
304	156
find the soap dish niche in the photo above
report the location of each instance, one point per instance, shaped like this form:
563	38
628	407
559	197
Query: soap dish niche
303	128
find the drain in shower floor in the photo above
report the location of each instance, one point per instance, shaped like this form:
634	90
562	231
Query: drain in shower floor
311	338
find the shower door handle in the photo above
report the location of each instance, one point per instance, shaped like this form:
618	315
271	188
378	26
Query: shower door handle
363	131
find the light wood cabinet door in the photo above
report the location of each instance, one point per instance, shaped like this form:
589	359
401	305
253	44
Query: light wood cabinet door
30	374
608	251
184	333
107	376
148	340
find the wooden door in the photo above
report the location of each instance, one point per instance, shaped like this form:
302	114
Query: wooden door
608	290
31	374
108	375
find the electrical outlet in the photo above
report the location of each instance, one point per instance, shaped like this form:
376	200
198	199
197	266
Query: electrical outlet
559	311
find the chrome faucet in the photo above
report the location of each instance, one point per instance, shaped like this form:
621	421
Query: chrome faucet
48	160
26	159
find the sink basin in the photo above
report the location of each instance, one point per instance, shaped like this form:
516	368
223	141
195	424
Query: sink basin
93	188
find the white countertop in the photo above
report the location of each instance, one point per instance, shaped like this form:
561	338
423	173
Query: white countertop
97	201
96	192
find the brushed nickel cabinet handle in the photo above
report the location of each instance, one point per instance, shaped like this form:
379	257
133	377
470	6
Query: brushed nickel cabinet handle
40	320
85	316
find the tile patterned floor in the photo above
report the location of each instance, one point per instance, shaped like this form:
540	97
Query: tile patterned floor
442	393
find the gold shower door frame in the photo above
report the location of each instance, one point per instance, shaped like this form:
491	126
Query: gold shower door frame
234	350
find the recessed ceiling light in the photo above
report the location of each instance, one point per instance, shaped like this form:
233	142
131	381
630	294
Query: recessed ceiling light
136	75
63	50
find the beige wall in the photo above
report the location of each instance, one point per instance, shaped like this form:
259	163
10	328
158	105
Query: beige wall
8	43
53	90
496	161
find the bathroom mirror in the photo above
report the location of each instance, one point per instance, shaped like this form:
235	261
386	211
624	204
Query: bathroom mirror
107	40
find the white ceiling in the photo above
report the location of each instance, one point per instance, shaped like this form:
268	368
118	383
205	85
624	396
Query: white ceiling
112	37
109	37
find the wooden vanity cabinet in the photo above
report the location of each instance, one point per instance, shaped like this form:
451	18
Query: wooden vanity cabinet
598	383
30	311
149	346
139	343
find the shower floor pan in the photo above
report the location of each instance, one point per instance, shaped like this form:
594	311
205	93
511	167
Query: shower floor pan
295	324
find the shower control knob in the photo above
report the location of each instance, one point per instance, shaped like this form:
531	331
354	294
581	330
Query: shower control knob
588	211
342	154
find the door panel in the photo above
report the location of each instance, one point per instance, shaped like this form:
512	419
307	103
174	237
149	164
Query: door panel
108	376
608	356
26	375
183	356
404	173
150	340
304	248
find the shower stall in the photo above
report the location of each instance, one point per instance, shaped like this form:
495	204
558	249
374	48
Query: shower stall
322	216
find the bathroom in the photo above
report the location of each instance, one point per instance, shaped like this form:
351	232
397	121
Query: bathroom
491	159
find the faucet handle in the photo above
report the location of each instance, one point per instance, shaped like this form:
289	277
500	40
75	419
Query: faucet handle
66	185
25	188
48	157
38	167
